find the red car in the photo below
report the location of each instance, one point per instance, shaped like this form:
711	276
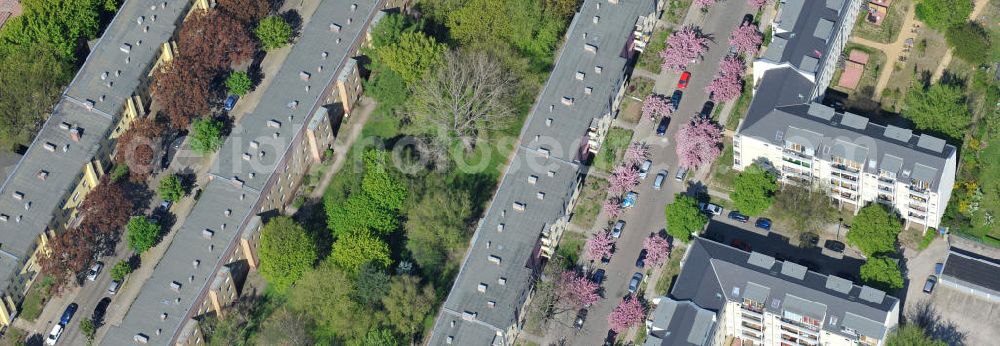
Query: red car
683	82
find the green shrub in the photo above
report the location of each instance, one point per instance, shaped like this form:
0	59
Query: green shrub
238	83
120	270
929	236
206	135
970	42
119	172
943	14
273	32
170	188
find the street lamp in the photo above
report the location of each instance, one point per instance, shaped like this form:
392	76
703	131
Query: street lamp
840	221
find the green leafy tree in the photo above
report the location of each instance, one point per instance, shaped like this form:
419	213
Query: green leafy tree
807	208
379	185
120	270
374	207
387	88
206	135
31	79
355	249
753	190
911	335
940	108
392	26
376	337
437	227
88	329
520	24
287	327
171	188
684	217
325	295
412	56
970	42
143	233
112	5
882	273
62	24
370	284
286	252
238	83
120	171
407	304
874	230
273	32
943	14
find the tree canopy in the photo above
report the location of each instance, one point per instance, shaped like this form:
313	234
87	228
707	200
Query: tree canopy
273	32
412	56
436	227
248	11
407	304
882	273
31	79
911	335
874	230
170	188
62	24
371	284
324	294
286	252
808	208
238	83
120	270
940	108
353	250
137	147
206	135
214	41
521	24
183	91
143	233
943	14
684	217
375	206
970	42
753	190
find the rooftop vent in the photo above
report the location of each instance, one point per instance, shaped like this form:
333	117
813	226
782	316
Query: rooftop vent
540	195
18	195
4	217
126	48
65	125
495	259
304	75
207	233
548	121
195	263
334	27
598	69
588	90
247	156
491	304
580	75
532	179
163	316
254	144
469	315
450	338
273	124
597	19
74	134
544	152
140	338
292	105
519	206
590	48
176	286
354	7
502	280
481	288
228	212
50	147
566	100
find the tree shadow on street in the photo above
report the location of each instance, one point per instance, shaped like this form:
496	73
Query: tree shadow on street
927	317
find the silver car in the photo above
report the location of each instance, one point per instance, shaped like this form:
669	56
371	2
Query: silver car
616	231
644	169
660	177
681	172
634	284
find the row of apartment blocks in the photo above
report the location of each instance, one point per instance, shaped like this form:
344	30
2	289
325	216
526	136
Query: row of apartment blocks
808	143
255	174
74	147
723	293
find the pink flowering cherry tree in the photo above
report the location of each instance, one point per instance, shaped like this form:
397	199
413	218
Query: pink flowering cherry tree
728	83
628	313
656	105
756	4
657	249
699	143
746	39
598	246
683	47
622	178
576	291
636	153
704	4
732	66
613	207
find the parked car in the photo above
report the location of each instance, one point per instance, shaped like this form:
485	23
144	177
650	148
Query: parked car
230	103
68	314
54	335
660	177
100	310
938	268
930	283
94	271
683	82
706	109
630	199
598	276
581	316
763	223
661	128
809	238
740	244
834	245
165	205
681	172
616	231
710	208
641	261
610	339
644	169
747	19
736	215
607	259
113	287
633	285
675	99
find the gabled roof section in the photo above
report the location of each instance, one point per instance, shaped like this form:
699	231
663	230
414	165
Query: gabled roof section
803	32
680	323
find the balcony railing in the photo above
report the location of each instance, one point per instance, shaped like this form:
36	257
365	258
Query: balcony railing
802	326
843	168
916	207
797	161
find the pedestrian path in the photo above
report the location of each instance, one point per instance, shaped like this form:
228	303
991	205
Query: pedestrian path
893	51
939	71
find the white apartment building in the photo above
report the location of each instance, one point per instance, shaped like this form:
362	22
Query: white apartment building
724	295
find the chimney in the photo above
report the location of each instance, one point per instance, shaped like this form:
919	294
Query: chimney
74	134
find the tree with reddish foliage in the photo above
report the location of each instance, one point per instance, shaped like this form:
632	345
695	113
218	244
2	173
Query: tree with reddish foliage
704	4
598	246
215	41
622	178
756	4
746	39
684	47
182	91
106	209
698	143
656	105
248	11
628	313
636	153
657	249
613	207
136	147
728	83
68	255
576	291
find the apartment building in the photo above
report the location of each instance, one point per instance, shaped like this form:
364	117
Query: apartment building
537	193
255	174
73	148
808	143
724	295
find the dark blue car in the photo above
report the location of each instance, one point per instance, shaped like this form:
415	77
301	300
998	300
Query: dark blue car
598	276
68	314
230	103
763	223
675	99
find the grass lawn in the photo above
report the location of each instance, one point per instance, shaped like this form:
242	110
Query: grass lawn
670	270
631	111
36	298
929	48
614	146
650	60
570	247
742	104
723	173
639	87
890	28
676	10
595	190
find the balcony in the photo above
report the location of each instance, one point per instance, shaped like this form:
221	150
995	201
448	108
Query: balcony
917	207
918	191
884	199
918	198
844	169
753	326
797	161
750	317
916	216
800	327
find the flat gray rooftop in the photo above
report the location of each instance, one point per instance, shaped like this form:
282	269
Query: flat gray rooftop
805	32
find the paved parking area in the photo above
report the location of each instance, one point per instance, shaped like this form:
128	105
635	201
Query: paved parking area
961	318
